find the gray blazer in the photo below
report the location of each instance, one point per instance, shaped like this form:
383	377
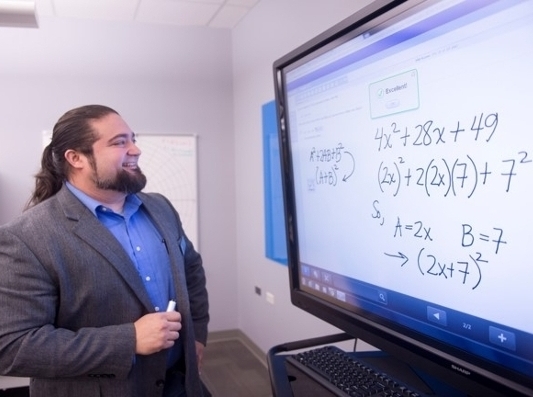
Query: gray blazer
69	295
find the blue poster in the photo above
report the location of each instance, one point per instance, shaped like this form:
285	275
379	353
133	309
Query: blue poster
275	244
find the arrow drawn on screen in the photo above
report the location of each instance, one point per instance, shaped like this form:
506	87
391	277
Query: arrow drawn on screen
400	255
345	178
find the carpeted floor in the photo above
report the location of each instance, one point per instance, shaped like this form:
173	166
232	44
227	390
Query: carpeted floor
231	369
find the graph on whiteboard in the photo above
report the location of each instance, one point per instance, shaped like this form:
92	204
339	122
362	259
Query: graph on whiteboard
170	165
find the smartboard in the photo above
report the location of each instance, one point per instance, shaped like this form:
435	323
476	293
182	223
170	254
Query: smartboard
413	168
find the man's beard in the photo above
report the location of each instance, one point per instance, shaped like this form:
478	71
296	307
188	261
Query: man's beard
124	181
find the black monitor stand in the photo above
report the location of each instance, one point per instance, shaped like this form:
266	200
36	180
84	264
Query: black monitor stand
288	381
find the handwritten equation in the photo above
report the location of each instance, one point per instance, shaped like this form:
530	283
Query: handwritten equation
456	176
332	164
429	133
422	160
468	269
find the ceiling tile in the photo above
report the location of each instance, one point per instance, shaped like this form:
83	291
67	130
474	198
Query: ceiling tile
176	12
228	16
96	9
213	13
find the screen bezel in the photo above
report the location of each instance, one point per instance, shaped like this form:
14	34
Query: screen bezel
468	373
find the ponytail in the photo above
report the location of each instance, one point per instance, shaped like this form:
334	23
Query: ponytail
72	131
48	180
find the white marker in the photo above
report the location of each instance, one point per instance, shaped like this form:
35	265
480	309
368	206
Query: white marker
171	306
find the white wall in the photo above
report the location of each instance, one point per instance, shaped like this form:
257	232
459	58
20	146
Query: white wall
272	29
161	79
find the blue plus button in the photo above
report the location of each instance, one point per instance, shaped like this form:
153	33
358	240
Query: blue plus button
503	338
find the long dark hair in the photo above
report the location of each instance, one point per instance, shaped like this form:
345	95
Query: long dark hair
72	131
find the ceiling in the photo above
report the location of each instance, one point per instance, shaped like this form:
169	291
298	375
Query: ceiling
207	13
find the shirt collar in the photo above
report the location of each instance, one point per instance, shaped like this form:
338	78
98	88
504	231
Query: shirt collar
132	200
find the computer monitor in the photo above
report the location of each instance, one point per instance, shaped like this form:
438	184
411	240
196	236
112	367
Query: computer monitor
406	138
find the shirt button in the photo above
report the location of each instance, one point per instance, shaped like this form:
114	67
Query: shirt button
138	248
156	308
147	278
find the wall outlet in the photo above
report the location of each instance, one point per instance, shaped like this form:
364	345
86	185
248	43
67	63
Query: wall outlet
269	298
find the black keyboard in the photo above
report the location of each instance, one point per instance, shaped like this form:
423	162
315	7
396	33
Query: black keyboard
344	376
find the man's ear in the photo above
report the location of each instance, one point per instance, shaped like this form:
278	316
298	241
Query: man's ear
75	159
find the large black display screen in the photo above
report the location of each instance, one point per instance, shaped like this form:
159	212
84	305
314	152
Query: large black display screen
407	152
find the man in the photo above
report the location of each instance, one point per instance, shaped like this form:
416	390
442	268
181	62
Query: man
87	271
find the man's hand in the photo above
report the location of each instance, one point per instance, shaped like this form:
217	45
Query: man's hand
156	331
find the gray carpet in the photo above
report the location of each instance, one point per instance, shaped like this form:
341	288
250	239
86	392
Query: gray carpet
230	369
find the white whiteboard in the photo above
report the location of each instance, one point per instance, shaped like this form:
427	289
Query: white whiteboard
170	165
